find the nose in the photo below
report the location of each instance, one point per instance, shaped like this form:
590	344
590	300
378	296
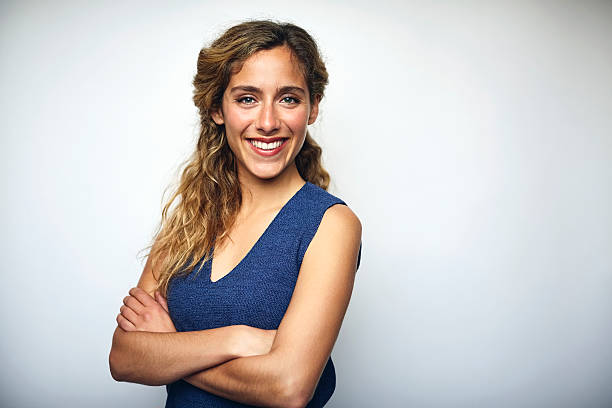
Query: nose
267	119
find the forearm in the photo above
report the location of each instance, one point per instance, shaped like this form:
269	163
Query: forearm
256	380
161	358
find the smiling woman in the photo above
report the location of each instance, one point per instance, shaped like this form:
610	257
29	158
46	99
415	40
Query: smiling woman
251	272
266	111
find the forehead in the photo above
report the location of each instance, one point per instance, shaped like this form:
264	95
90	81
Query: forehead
276	67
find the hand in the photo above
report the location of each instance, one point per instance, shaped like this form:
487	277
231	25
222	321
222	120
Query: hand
255	341
140	312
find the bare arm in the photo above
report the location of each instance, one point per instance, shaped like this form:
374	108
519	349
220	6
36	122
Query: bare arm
255	380
146	348
289	373
161	358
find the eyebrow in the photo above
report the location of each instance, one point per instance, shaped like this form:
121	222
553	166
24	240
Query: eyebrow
281	90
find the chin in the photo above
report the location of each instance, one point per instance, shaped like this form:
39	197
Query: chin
266	173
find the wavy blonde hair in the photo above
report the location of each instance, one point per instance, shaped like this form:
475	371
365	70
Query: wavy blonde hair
208	196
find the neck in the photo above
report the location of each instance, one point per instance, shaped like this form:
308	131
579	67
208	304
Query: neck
263	194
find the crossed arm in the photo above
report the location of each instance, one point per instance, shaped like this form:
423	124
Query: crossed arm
237	363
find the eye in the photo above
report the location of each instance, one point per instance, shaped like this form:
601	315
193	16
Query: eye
290	100
247	100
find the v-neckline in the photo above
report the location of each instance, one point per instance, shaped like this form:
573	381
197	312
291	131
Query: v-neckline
212	251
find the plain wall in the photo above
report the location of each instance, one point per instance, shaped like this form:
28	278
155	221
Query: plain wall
473	139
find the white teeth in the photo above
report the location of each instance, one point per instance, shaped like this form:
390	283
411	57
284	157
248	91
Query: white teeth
265	146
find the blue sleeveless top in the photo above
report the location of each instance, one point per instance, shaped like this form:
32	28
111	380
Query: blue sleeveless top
255	293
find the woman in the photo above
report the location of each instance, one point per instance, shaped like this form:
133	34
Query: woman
250	275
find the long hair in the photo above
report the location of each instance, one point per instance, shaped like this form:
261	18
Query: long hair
208	196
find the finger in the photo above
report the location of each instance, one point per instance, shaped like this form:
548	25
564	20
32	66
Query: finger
129	314
142	296
134	304
124	323
162	301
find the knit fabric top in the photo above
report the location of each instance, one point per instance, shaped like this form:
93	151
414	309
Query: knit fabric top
256	292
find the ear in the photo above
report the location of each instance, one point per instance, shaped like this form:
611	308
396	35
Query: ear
314	109
217	116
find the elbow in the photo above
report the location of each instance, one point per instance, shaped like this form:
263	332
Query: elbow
292	387
298	402
122	369
116	359
297	392
114	363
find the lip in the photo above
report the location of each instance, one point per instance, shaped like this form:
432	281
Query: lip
267	153
266	139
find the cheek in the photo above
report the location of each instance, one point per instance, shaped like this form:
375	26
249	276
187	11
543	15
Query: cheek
234	128
297	121
237	120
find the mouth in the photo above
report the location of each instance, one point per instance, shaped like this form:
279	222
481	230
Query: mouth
267	147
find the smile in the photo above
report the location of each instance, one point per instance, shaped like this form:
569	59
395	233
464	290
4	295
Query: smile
267	149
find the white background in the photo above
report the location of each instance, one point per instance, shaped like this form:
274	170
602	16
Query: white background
473	139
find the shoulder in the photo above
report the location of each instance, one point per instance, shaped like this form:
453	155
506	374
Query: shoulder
340	217
336	213
338	235
336	244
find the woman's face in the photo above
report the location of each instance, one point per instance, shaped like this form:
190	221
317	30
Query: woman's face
266	110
